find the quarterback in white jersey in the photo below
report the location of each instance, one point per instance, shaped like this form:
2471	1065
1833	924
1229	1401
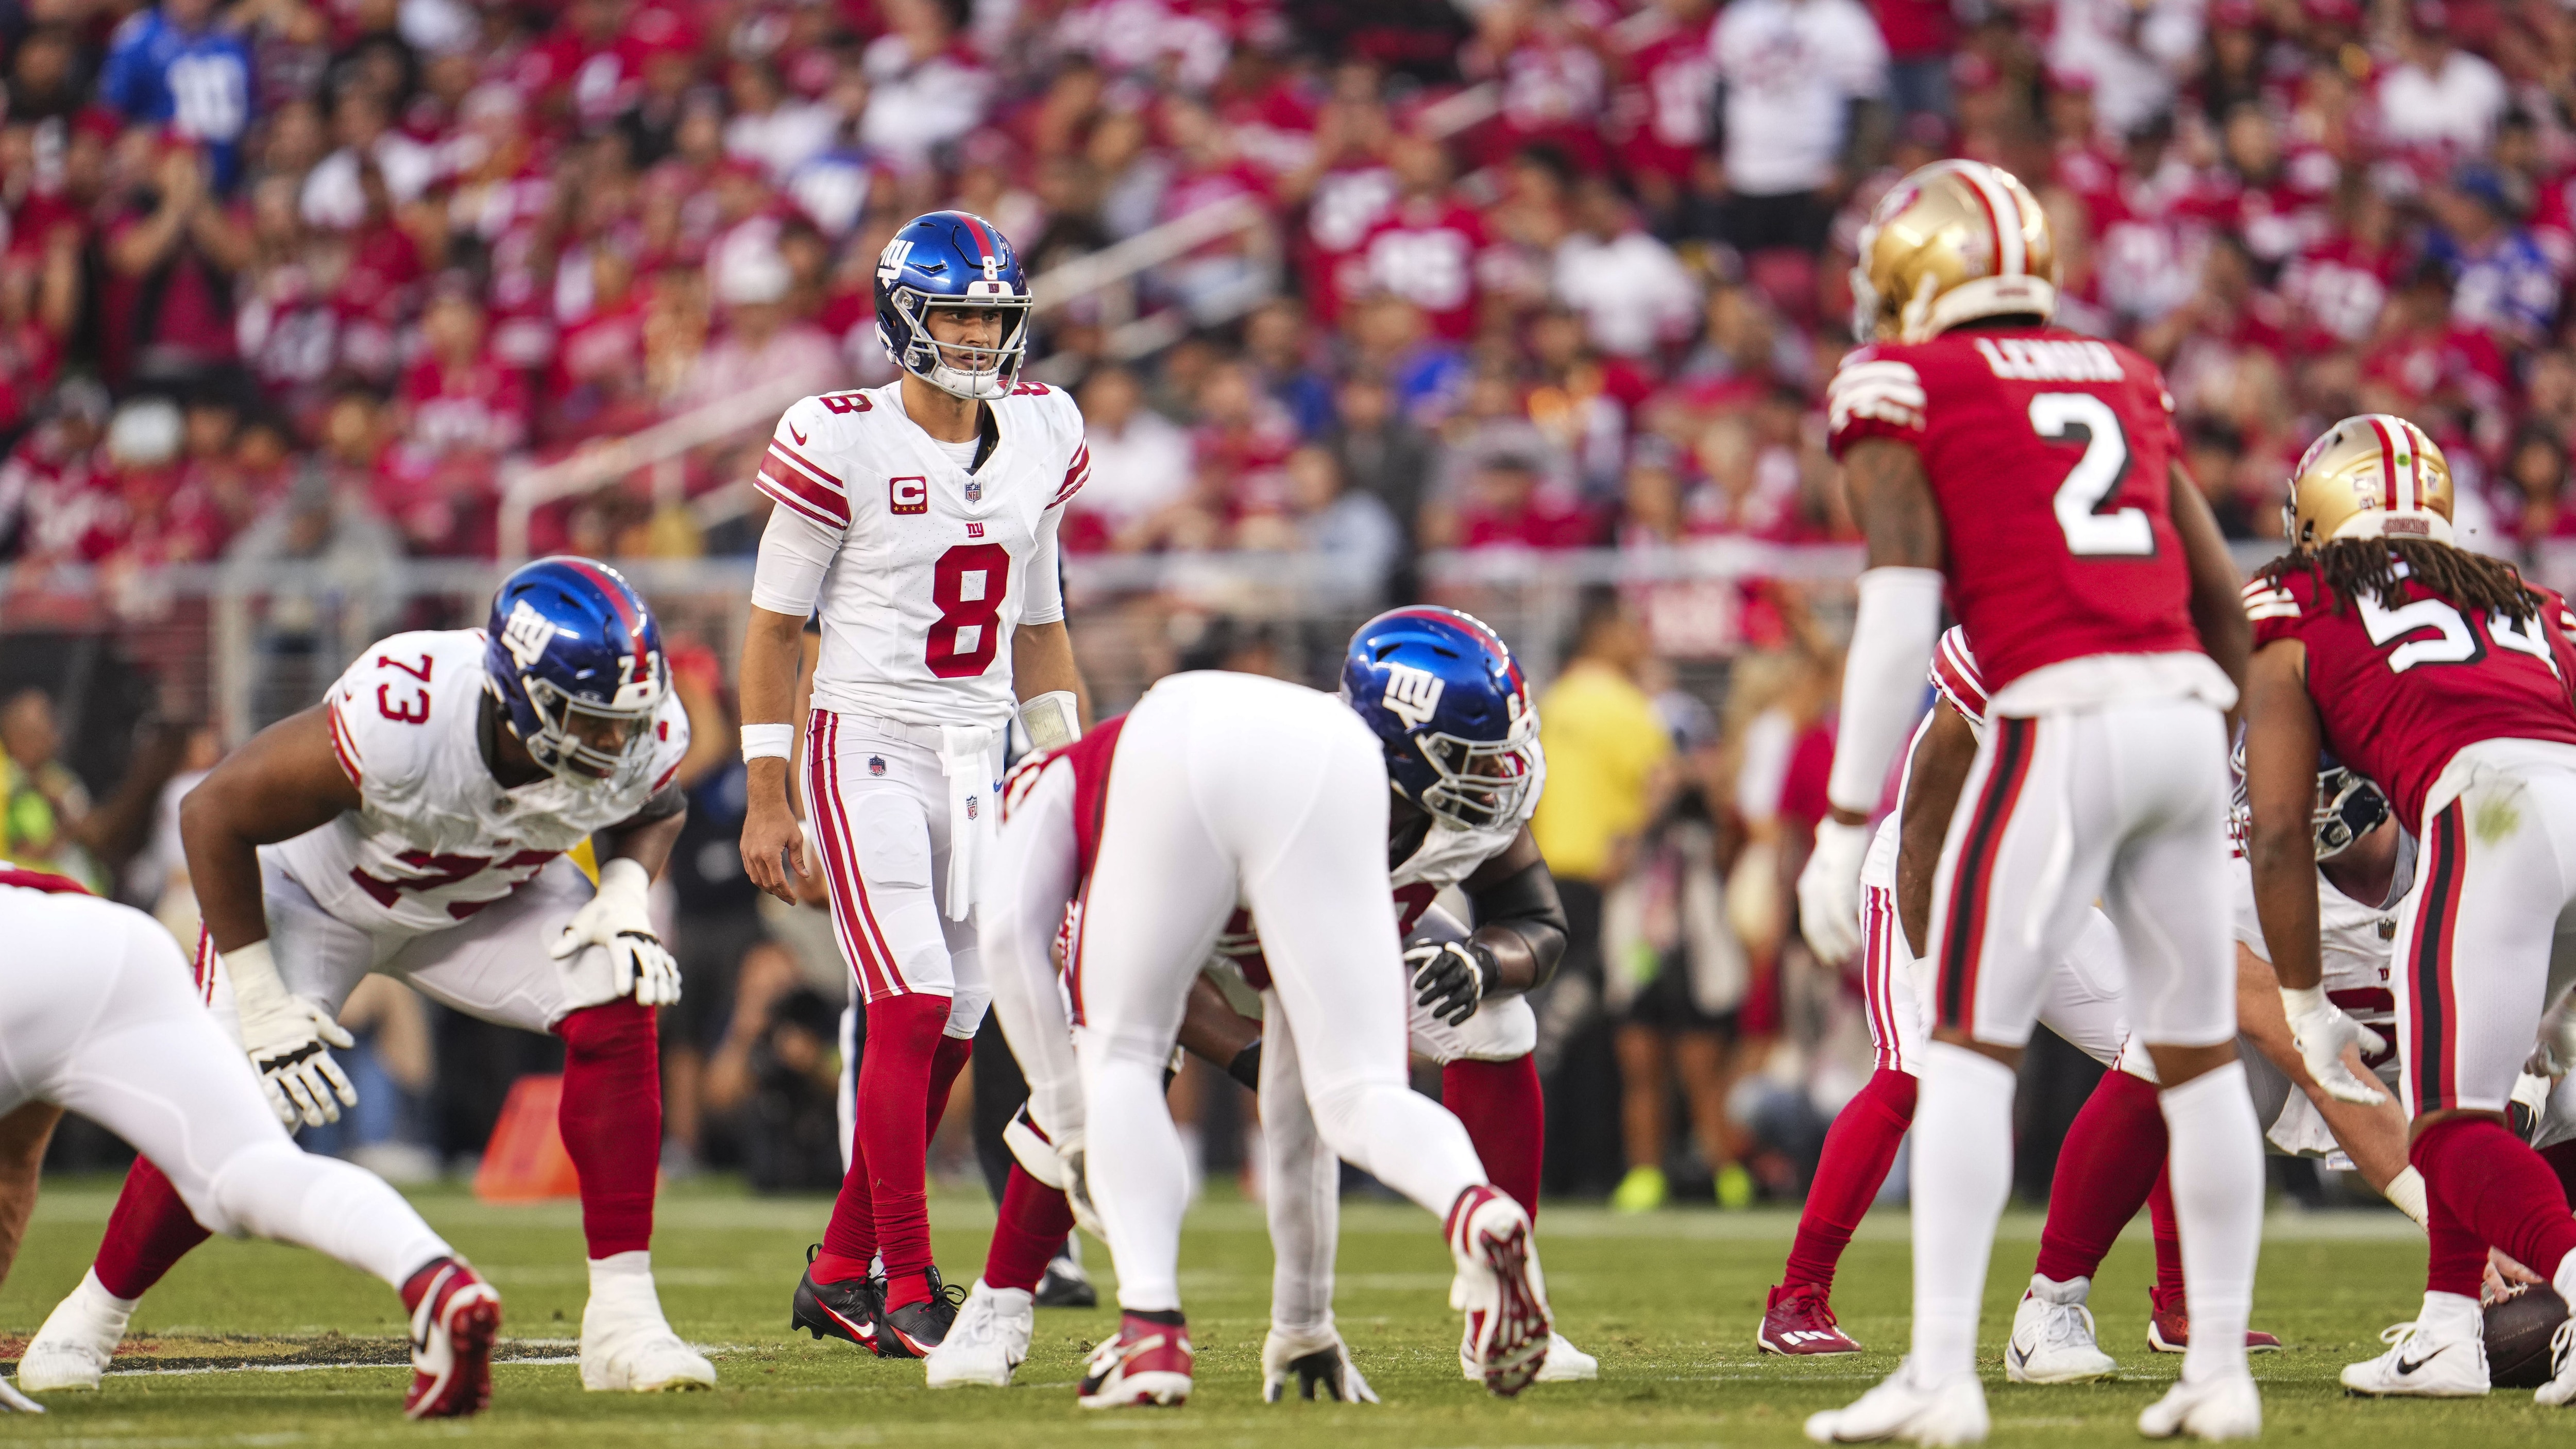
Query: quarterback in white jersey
919	519
416	823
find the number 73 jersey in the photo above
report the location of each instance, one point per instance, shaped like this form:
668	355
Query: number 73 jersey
2049	455
2401	690
932	567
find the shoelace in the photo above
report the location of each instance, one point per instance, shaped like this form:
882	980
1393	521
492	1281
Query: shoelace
2398	1335
2059	1326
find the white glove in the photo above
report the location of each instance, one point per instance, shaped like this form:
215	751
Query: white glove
617	919
2554	1055
1829	891
14	1402
2321	1031
288	1039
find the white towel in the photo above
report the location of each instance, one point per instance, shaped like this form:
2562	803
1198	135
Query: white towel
966	758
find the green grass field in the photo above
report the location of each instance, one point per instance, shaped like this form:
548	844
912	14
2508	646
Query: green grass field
1667	1301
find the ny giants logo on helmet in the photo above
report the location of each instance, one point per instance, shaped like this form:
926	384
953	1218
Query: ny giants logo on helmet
1412	695
890	261
527	634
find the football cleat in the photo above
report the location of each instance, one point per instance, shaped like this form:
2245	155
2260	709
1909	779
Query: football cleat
2561	1387
913	1330
2052	1336
1066	1285
2423	1362
847	1310
1499	1288
1799	1319
1564	1364
627	1346
455	1316
987	1342
1314	1362
1146	1366
2228	1408
1900	1408
78	1340
2169	1328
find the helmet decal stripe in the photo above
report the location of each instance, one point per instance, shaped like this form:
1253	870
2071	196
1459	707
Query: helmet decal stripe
2010	260
616	593
2387	464
983	242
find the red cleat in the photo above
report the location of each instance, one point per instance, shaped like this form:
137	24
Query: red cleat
1146	1366
2169	1328
455	1316
1799	1320
1499	1288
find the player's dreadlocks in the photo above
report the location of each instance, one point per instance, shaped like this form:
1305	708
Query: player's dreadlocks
2353	567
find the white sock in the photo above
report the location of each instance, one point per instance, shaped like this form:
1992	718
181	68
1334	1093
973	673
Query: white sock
94	1295
1962	1174
2049	1290
281	1191
2216	1166
625	1281
2448	1316
1139	1179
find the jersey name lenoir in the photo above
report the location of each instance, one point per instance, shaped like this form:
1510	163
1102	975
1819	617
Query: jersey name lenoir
437	838
936	566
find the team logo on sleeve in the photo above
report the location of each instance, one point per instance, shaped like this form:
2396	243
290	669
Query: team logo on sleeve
526	634
907	495
1412	695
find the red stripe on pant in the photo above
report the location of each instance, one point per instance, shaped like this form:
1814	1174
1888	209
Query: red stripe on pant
1962	945
2431	1061
864	945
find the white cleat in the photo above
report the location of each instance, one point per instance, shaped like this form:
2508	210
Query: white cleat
1564	1364
2227	1408
78	1340
988	1341
1950	1413
2424	1362
2053	1341
1317	1363
2561	1387
627	1346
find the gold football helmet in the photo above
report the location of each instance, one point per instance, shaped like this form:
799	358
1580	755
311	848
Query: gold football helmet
1955	241
2372	476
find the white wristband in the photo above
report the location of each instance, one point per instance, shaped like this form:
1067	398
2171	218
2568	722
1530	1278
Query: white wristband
2299	1001
1050	719
768	742
252	970
2406	1191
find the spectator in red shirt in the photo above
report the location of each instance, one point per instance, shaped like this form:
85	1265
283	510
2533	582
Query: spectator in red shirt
165	309
1428	249
458	413
1508	506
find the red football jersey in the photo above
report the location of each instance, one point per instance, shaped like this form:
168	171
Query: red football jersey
2048	454
2400	691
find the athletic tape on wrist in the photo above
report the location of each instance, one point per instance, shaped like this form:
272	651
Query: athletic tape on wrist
768	742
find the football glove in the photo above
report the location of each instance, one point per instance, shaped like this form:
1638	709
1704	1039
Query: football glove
289	1040
1829	891
1451	977
1311	1364
617	920
2321	1031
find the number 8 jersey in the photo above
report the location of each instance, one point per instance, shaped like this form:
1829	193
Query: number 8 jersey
923	568
2049	454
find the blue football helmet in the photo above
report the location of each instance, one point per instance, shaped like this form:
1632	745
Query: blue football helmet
1443	694
2349	805
575	658
952	259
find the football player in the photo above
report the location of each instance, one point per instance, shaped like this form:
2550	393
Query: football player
415	823
102	1020
2443	675
1240	793
2036	474
920	518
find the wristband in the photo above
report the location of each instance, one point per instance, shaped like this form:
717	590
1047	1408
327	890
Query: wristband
768	742
1246	1066
2298	1001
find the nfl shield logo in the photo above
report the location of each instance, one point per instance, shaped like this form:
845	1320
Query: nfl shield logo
970	807
974	490
876	764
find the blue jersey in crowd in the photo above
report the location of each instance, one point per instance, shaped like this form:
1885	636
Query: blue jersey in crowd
196	82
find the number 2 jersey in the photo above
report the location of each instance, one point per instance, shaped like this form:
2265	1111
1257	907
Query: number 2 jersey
2400	691
931	567
2049	455
437	838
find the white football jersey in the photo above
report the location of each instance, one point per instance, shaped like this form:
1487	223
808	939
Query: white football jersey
936	567
2357	943
1447	856
437	838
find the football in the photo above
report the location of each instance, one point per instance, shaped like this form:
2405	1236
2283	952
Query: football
2519	1327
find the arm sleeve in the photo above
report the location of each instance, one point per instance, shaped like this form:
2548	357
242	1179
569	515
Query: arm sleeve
1028	883
794	553
1900	619
1045	580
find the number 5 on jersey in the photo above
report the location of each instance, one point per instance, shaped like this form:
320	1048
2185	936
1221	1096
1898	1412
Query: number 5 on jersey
967	584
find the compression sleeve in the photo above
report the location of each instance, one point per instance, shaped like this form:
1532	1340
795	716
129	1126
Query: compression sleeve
1891	646
794	553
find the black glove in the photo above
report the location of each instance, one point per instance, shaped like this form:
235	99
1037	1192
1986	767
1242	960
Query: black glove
1451	977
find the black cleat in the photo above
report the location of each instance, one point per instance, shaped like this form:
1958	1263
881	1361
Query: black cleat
848	1311
1066	1286
913	1330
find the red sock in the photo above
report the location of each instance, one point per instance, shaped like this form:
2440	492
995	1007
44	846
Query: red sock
2114	1152
148	1233
894	1091
945	1063
2561	1157
2498	1189
2167	1230
1029	1233
1859	1149
611	1119
1505	1114
2456	1261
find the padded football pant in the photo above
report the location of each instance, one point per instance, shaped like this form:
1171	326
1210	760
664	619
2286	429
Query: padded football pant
102	1021
1229	788
2080	998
